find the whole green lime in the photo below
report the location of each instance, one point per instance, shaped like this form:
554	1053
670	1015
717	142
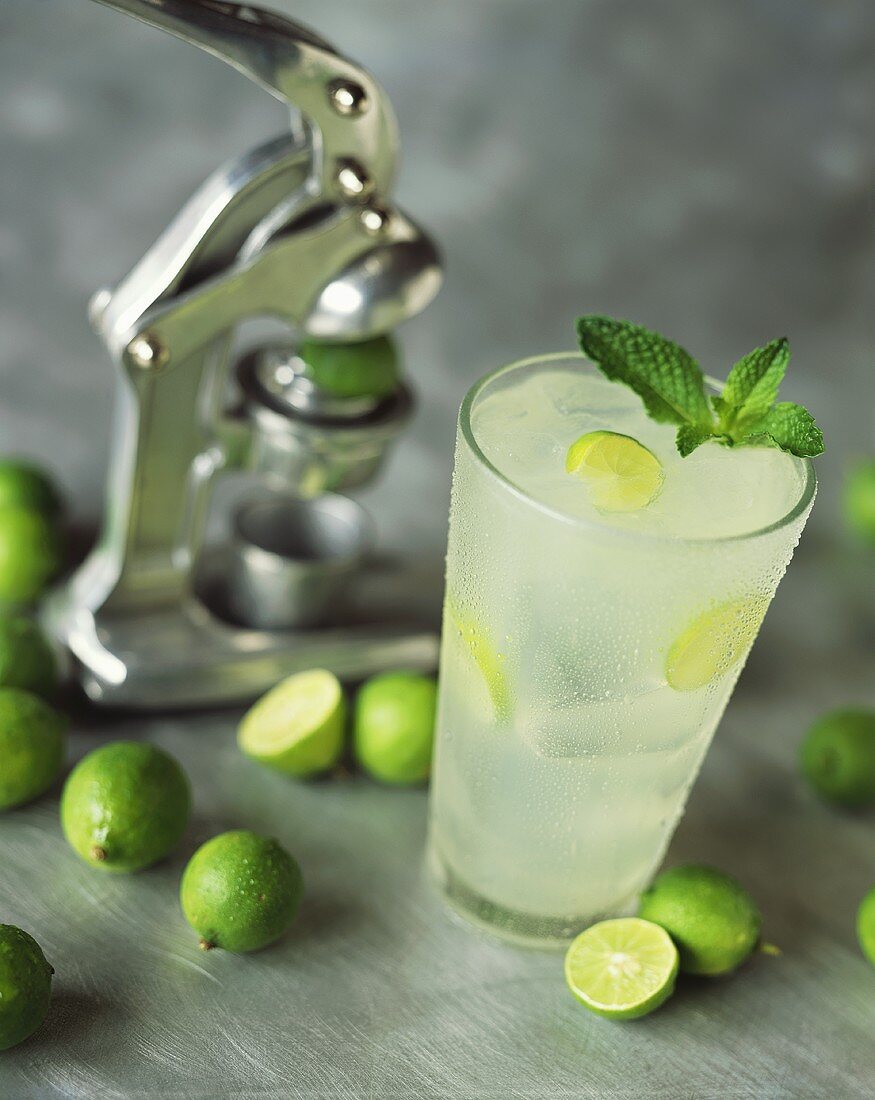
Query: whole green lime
30	554
866	926
33	741
240	891
365	369
838	757
26	658
25	985
394	727
859	500
125	806
23	484
712	919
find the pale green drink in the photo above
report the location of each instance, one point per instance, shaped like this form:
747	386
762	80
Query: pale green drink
564	753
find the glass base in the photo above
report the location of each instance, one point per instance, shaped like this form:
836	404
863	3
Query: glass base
515	926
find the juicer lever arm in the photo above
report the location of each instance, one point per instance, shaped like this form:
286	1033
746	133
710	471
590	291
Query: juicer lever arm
354	131
348	305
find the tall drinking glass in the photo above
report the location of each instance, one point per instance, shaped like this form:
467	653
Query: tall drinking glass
587	657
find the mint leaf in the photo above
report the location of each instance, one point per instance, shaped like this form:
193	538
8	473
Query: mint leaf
792	428
690	436
752	387
666	378
671	384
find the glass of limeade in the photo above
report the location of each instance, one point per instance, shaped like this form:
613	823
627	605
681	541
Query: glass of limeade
587	654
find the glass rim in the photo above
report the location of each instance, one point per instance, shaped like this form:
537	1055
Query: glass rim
804	501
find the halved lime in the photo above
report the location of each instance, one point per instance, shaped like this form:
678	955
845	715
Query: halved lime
622	969
297	727
485	655
621	474
714	642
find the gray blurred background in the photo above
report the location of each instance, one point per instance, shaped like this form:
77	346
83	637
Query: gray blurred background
705	168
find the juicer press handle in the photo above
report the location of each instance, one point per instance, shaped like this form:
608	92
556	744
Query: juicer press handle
353	127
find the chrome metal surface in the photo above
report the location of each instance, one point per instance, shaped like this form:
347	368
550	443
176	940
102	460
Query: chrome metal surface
347	97
293	559
294	65
147	352
309	449
282	233
280	372
354	181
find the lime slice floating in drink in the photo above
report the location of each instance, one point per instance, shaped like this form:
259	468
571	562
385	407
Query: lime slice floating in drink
297	727
479	644
619	472
622	969
714	643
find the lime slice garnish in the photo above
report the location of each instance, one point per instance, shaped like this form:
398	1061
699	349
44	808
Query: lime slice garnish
297	727
713	643
485	655
619	472
623	968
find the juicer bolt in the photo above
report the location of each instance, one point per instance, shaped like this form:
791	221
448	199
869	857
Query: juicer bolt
147	352
374	218
347	97
353	180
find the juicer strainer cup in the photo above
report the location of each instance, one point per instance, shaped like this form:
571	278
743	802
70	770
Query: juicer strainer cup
293	559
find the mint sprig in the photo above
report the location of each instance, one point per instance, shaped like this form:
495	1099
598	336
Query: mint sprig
672	386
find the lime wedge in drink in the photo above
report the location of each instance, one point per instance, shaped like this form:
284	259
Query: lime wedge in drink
622	969
619	472
297	727
478	643
713	643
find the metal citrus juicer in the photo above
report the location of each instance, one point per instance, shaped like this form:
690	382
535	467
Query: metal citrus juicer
301	230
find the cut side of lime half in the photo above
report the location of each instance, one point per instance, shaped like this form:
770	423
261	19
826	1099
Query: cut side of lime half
714	642
477	642
621	474
622	969
297	727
